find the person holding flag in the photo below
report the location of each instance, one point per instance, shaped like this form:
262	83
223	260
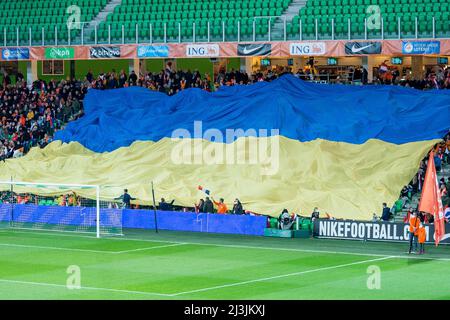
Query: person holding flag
221	206
431	202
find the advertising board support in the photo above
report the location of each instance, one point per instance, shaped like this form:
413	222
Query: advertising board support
415	26
332	29
317	29
151	33
239	31
254	33
137	33
165	32
349	24
301	31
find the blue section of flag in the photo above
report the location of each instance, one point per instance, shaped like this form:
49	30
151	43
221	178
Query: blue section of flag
290	107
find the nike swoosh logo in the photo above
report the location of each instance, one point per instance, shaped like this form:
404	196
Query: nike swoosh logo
250	51
356	50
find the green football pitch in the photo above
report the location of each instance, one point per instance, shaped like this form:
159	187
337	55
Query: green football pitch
181	265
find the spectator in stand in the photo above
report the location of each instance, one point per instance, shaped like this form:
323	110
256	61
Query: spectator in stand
315	214
122	79
208	206
166	206
199	206
133	78
237	207
221	206
386	214
126	199
437	162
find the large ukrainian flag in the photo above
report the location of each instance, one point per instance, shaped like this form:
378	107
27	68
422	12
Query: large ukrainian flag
344	149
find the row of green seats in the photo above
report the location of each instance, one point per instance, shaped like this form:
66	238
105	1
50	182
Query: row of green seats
39	13
421	18
195	15
325	3
193	7
14	5
408	27
254	3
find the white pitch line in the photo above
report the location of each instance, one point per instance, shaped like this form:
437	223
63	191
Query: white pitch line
249	247
85	288
53	248
197	290
281	276
151	248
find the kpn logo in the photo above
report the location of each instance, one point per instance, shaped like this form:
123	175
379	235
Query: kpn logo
59	53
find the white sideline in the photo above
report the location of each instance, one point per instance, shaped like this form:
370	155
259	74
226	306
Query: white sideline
282	276
150	248
243	246
84	288
87	250
53	248
197	290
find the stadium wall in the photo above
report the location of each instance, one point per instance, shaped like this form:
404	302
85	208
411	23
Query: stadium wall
135	219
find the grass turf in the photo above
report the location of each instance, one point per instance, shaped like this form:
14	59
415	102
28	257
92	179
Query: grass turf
181	265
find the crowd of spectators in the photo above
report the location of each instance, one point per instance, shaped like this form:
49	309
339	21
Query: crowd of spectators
29	116
436	77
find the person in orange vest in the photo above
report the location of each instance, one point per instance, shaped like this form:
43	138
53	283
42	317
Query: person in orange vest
221	206
414	223
422	235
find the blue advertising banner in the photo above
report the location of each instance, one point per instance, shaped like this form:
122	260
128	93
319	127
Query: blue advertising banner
15	54
152	51
421	47
136	219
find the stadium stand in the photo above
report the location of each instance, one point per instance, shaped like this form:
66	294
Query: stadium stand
42	17
131	21
356	11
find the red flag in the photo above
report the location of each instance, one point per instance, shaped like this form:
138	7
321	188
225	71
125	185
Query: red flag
431	202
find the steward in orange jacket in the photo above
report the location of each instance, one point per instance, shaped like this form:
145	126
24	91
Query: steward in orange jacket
414	223
422	235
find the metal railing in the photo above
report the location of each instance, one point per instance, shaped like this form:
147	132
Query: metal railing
255	29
